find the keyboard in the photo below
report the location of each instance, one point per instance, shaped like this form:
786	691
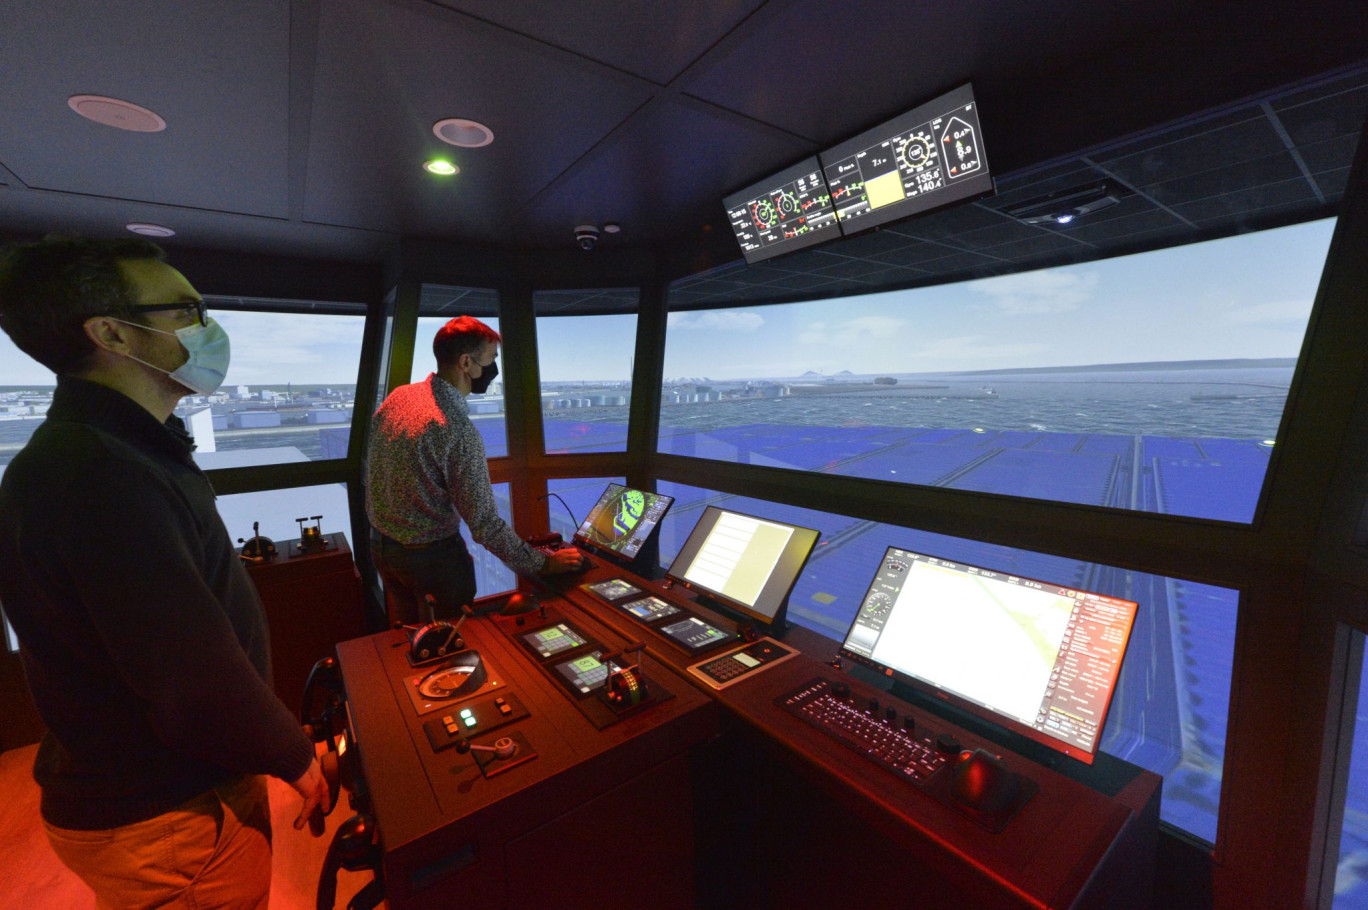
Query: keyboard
891	746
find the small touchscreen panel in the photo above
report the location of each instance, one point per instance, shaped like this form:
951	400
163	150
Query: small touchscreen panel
649	609
584	674
616	589
695	634
554	639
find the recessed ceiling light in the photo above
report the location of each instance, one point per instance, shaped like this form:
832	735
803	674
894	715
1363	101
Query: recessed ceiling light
440	168
150	230
1066	205
122	115
612	227
466	133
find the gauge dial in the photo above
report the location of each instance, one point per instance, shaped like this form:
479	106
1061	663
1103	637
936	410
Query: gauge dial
877	605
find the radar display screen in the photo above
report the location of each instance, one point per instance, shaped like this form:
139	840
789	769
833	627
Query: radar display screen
784	213
695	634
927	158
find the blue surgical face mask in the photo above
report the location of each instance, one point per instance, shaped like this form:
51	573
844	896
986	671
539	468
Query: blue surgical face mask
207	365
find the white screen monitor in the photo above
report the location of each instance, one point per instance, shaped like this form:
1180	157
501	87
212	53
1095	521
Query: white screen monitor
1037	658
746	564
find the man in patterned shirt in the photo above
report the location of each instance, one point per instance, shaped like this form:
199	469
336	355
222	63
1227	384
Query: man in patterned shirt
427	472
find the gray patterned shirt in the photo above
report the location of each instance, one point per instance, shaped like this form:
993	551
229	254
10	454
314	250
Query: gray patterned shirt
427	471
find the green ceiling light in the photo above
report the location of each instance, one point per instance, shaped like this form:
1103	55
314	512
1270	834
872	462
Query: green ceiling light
441	168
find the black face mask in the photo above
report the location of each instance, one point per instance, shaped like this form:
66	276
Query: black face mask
487	374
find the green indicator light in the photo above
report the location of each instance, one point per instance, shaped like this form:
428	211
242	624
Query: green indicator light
466	712
470	721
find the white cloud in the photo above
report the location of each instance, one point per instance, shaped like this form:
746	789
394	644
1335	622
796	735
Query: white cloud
855	334
275	348
1276	312
717	321
1035	293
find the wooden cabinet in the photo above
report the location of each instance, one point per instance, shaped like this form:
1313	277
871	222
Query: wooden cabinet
313	601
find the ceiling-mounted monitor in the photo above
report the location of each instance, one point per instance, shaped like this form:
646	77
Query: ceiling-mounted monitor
783	213
1038	658
925	159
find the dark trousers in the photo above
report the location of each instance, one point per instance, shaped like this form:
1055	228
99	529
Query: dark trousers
442	569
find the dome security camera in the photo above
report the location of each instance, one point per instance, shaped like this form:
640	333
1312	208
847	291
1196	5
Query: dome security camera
587	237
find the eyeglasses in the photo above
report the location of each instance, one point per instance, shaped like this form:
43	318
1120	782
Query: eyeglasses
188	308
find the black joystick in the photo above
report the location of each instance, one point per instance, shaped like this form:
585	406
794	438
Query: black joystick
353	848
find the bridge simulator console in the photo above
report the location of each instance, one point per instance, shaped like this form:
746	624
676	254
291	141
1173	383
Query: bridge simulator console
628	741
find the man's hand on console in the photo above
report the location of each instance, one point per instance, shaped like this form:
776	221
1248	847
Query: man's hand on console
313	786
565	560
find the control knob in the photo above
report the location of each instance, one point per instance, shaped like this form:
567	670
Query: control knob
947	744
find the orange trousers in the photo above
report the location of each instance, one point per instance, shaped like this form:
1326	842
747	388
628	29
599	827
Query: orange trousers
211	851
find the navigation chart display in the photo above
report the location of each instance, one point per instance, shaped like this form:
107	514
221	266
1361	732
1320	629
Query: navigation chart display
786	212
1038	658
929	157
623	520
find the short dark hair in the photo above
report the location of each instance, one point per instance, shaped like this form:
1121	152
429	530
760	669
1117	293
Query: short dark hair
462	335
48	290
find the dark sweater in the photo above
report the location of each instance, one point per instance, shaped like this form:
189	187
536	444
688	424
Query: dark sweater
142	637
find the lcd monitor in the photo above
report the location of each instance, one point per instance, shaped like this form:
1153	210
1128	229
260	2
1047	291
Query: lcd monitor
622	520
1038	658
925	159
744	564
783	213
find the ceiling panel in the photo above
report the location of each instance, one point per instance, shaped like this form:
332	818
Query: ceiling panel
34	212
227	112
646	177
655	40
388	72
828	70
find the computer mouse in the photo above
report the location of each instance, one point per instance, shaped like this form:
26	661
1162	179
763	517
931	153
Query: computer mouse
983	783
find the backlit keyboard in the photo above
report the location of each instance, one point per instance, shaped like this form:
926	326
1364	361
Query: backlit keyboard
891	746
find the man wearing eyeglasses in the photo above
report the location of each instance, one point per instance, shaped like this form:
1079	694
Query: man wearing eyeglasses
143	640
426	472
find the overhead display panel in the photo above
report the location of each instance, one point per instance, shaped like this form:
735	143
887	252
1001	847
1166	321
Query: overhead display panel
925	159
783	213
